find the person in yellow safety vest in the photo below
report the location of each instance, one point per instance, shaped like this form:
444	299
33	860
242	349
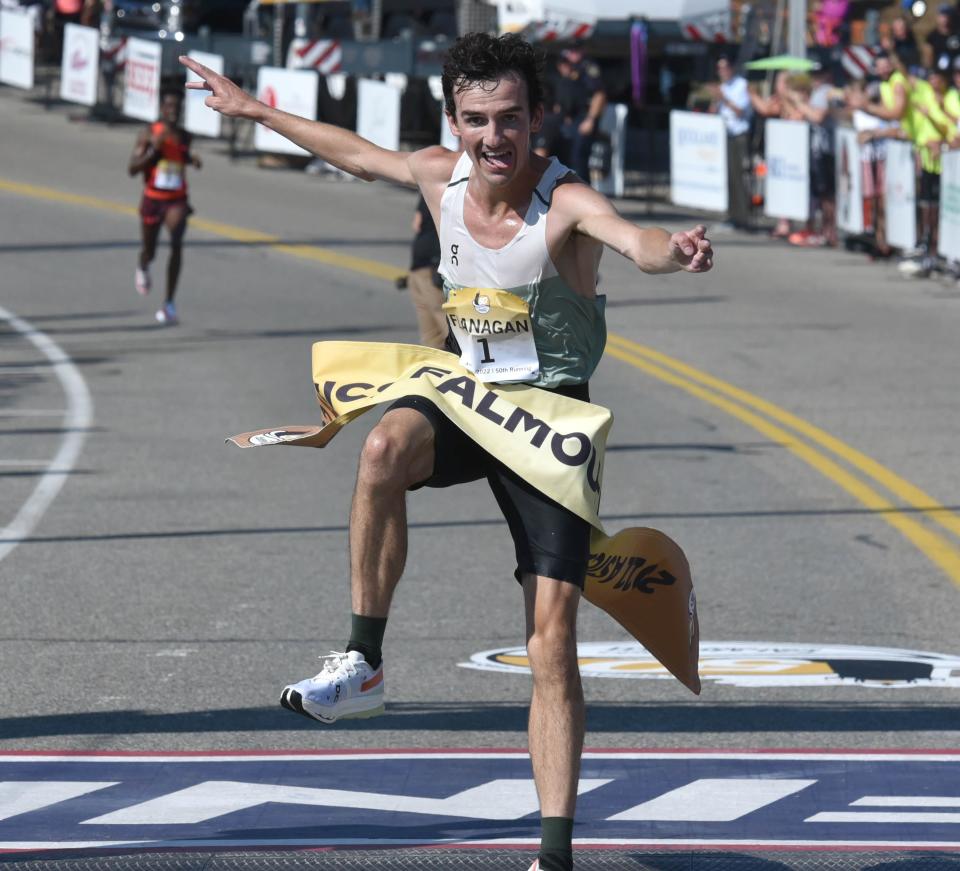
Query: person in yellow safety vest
893	107
951	104
930	128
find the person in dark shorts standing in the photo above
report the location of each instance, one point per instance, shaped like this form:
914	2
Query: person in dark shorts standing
162	154
424	282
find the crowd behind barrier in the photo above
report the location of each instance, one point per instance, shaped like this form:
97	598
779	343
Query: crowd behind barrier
860	149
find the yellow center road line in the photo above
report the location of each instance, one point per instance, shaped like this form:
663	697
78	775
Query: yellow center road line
57	196
714	391
909	493
373	268
934	546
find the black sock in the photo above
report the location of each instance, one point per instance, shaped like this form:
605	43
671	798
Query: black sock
556	847
366	637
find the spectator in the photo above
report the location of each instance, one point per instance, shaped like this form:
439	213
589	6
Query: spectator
815	106
894	120
951	101
942	45
578	103
930	128
731	100
901	45
777	105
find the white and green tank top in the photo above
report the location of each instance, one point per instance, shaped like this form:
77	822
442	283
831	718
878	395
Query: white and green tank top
569	330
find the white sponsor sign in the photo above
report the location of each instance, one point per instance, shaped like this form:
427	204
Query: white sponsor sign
197	116
16	48
755	664
849	182
787	190
698	161
900	200
293	91
141	80
949	237
614	124
378	113
80	67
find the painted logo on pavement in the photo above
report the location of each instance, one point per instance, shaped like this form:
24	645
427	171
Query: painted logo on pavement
376	798
756	664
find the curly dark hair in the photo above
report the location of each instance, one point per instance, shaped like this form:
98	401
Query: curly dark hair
482	59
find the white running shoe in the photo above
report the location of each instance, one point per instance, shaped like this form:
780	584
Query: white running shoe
142	282
535	866
167	315
346	688
914	267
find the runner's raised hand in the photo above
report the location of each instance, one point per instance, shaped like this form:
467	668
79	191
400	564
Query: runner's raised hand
691	250
226	97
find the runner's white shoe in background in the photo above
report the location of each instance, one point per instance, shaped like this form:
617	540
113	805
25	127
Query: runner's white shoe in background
142	281
347	687
167	315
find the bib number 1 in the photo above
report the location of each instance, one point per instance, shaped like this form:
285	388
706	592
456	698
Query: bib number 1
486	351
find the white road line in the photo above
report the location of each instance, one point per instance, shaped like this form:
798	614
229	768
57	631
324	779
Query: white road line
884	817
907	801
23	463
31	412
76	420
714	800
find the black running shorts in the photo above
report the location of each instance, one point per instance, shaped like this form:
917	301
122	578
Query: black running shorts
549	540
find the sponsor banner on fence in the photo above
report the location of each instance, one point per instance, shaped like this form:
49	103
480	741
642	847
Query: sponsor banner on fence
141	80
80	67
16	48
949	244
900	201
293	91
378	113
698	161
197	116
849	182
787	193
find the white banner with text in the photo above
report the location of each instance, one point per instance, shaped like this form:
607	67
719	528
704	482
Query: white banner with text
141	80
293	91
698	161
787	155
80	66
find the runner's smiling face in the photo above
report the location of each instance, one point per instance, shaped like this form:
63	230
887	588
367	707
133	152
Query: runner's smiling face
494	123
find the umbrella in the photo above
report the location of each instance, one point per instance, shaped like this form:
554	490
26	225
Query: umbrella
783	62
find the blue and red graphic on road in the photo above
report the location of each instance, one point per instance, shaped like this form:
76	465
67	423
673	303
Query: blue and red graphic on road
788	799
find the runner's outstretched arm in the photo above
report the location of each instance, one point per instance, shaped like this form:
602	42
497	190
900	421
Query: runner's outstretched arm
343	148
650	248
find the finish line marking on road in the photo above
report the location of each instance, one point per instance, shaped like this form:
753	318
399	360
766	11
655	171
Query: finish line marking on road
796	800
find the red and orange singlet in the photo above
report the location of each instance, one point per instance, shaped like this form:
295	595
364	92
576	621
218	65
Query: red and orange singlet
167	178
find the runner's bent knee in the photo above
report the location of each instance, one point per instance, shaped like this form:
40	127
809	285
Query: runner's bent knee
398	452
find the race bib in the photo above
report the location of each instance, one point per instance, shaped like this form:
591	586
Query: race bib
169	176
495	334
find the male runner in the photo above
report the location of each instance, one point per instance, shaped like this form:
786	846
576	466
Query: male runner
162	153
509	220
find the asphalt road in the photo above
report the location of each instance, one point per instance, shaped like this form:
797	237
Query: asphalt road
173	584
